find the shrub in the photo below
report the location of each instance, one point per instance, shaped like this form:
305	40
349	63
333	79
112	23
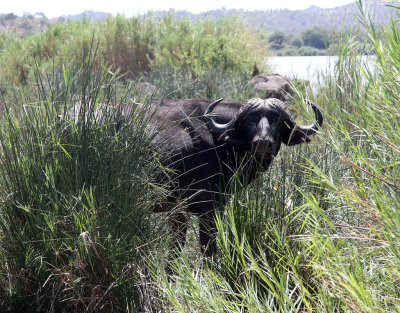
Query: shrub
297	41
139	45
277	39
76	199
316	37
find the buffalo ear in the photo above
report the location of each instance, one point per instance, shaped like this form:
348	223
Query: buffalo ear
295	137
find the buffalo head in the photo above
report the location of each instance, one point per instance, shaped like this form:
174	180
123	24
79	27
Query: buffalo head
261	125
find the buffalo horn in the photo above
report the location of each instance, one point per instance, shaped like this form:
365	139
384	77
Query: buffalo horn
221	128
215	127
212	106
310	129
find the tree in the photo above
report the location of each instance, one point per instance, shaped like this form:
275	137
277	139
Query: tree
316	37
277	38
298	42
40	15
27	15
10	16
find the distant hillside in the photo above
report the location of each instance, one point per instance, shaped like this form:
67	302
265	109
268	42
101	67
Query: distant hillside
296	21
92	15
38	22
288	21
23	25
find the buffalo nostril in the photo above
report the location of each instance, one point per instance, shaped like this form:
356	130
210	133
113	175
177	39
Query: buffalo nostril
264	142
262	145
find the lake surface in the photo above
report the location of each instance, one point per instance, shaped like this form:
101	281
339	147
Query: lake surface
305	67
308	67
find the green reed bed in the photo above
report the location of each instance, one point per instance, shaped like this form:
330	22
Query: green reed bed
357	254
319	232
137	45
75	226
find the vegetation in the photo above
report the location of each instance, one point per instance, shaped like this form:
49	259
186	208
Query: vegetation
319	232
313	41
135	46
295	22
70	240
287	21
23	25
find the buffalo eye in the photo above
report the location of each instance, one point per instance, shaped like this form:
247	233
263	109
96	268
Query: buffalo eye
247	124
251	124
273	117
251	127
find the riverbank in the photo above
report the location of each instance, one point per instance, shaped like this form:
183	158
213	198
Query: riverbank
302	51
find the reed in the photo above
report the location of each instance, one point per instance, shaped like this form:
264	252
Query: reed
318	232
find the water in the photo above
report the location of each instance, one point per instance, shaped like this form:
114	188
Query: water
304	67
308	67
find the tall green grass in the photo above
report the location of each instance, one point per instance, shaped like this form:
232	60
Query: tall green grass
318	232
358	253
322	235
138	45
76	197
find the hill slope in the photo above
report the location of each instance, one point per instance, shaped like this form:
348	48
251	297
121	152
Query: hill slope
296	21
288	21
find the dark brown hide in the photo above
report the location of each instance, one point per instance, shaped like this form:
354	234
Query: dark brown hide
207	144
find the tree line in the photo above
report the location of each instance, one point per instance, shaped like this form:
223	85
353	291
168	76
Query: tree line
313	41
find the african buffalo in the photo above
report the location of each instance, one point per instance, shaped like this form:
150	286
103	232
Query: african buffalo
209	142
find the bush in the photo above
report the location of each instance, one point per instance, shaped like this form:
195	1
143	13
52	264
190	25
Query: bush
316	37
76	199
138	45
297	42
307	50
277	39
